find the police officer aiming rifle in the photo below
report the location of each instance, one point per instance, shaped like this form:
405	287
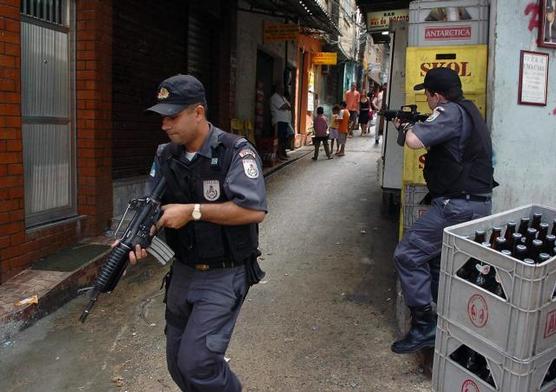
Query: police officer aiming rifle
459	175
214	200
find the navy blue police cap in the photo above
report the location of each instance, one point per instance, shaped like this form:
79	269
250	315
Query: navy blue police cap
439	80
176	93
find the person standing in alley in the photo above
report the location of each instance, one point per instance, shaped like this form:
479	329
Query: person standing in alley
377	105
364	109
459	175
333	130
214	200
281	112
343	128
351	97
320	124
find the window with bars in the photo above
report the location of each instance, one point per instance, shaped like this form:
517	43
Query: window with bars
51	11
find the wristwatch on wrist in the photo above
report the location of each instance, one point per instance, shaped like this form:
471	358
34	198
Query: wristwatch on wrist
196	213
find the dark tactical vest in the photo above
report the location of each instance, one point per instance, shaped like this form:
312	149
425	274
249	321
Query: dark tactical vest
447	177
188	182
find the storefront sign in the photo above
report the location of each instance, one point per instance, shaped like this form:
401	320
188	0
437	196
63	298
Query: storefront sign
448	33
325	58
279	32
380	20
533	78
311	92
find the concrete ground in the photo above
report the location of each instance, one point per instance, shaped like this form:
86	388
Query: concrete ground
322	320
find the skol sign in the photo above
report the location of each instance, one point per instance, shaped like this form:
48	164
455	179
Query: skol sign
461	67
469	61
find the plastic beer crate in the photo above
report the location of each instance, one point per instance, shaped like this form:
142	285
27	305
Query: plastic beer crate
509	374
524	324
413	209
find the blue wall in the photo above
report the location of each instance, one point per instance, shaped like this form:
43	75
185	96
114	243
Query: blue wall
524	136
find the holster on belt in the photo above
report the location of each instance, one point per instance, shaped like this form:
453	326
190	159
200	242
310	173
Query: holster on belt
166	283
253	271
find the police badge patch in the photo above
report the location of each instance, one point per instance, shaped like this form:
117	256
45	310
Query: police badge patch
250	168
211	190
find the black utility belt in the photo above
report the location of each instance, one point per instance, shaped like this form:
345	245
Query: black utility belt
218	265
467	196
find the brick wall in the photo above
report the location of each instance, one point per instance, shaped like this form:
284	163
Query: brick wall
149	46
18	247
94	112
11	158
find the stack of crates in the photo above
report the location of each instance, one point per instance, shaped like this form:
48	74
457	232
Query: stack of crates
414	205
517	335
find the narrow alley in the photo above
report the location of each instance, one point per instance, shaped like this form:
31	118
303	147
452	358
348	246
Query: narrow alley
321	320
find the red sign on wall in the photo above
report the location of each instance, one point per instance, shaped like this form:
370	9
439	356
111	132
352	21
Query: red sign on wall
448	33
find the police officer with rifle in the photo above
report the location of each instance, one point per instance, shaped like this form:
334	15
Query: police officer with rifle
214	200
459	175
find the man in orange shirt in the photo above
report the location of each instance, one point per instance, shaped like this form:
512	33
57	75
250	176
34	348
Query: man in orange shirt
352	100
343	128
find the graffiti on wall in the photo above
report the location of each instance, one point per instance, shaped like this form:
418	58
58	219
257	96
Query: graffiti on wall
533	11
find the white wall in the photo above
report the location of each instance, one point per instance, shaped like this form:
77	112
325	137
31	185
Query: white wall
250	38
524	137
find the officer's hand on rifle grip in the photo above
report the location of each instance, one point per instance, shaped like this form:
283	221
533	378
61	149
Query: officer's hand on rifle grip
175	216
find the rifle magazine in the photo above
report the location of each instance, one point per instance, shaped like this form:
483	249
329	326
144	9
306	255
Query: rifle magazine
160	251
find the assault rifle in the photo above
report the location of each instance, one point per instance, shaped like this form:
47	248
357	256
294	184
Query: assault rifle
138	232
406	114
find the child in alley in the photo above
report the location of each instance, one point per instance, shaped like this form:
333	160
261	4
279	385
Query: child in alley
320	125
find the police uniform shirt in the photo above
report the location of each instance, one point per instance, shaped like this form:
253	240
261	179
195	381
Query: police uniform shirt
244	183
448	124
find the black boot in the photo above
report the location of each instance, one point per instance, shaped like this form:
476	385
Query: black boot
421	334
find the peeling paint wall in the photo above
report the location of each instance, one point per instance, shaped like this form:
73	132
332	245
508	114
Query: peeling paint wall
524	136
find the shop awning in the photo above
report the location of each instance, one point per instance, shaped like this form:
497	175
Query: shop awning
309	13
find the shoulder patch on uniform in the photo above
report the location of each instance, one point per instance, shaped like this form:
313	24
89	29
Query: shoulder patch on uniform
435	113
250	168
247	151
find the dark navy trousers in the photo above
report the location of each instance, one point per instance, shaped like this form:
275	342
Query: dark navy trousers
422	243
207	305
